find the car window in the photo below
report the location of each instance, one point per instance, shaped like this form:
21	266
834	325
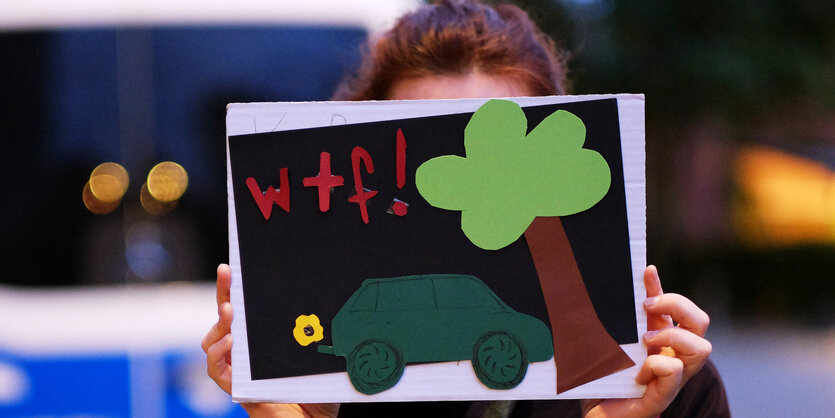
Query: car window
463	292
367	300
406	294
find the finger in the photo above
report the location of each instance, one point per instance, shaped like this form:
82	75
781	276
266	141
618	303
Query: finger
217	367
681	309
691	349
210	338
652	283
224	319
663	376
220	329
224	282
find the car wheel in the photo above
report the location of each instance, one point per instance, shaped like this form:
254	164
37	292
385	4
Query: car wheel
499	361
375	366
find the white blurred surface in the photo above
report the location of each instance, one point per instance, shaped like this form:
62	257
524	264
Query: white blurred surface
99	320
374	15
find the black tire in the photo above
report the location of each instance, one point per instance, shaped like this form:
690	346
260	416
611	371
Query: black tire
499	360
375	366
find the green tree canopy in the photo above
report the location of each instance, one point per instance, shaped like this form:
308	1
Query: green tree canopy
507	178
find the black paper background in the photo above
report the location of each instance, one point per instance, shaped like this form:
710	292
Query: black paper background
310	262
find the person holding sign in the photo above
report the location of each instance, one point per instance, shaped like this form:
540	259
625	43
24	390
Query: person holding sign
464	49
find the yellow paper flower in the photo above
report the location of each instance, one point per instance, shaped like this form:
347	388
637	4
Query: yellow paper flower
308	330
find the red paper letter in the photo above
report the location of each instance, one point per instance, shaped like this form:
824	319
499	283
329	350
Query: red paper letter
401	159
398	207
324	181
359	154
265	199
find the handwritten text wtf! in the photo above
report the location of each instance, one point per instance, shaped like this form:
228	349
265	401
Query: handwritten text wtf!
326	181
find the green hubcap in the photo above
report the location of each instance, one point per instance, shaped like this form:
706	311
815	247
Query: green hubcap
375	366
499	361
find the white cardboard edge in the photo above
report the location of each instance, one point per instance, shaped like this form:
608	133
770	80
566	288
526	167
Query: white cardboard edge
419	382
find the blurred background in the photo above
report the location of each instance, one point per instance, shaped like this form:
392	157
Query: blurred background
108	269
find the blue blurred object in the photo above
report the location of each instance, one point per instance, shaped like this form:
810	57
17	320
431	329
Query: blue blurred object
66	386
164	384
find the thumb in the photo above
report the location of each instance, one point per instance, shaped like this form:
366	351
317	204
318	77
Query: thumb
662	375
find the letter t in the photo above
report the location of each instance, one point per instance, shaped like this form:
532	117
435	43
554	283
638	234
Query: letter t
324	181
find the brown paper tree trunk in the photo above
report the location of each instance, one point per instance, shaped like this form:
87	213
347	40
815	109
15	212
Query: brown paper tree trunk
583	349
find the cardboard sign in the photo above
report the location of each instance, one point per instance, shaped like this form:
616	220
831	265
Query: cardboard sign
429	250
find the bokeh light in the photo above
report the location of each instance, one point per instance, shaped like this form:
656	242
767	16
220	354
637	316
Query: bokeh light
785	199
167	181
104	190
109	182
147	257
152	205
95	205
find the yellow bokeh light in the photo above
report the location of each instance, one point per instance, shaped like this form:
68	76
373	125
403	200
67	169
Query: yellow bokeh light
154	206
786	199
95	205
167	181
108	182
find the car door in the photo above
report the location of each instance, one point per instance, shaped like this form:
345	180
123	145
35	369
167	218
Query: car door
468	308
407	317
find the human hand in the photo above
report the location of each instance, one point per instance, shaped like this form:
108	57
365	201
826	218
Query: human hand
218	347
217	344
676	353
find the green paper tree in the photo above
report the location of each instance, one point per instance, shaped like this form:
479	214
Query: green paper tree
510	184
508	179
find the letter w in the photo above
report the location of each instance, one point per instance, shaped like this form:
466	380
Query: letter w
265	199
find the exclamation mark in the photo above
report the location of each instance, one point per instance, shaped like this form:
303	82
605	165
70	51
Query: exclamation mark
399	207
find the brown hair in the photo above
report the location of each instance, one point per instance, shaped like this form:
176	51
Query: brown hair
453	38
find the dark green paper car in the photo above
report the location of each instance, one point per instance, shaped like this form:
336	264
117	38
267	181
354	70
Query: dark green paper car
389	322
